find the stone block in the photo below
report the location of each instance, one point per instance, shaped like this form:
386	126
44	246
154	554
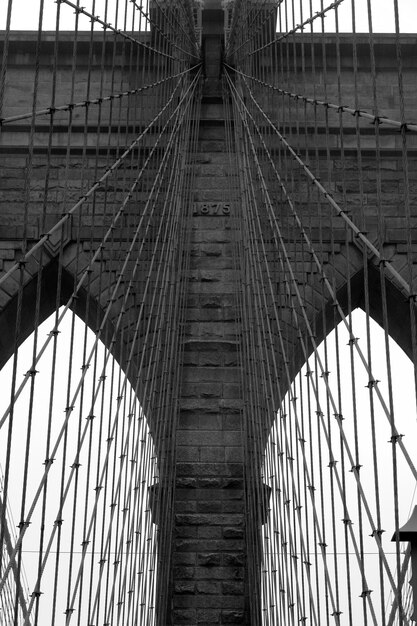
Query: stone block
210	506
233	533
183	587
233	588
219	573
232	617
209	587
185	558
209	532
212	454
183	572
185	616
209	559
233	454
208	616
237	559
188	453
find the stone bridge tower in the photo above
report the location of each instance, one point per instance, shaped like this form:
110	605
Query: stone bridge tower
214	553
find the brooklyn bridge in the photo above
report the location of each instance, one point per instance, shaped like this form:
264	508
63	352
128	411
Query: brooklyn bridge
208	334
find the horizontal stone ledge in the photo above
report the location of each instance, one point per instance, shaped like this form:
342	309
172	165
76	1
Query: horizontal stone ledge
209	519
210	344
194	545
210	470
202	484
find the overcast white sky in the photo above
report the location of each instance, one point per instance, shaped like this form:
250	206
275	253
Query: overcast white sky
25	14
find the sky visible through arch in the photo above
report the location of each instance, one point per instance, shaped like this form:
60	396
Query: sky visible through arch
356	407
95	435
25	15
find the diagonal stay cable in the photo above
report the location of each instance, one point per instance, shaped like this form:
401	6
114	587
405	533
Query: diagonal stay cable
329	198
339	108
334	299
310	20
97	253
48	463
165	269
285	360
328	390
92	101
249	27
121	394
159	29
95	18
58	225
178	22
260	305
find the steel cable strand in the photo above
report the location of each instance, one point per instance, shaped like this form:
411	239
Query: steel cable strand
287	262
354	111
90	264
69	408
263	360
258	308
20	280
44	238
317	524
321	543
343	317
3	69
251	31
164	35
52	110
70	609
309	21
403	284
338	306
148	393
339	421
158	347
411	276
96	19
158	422
268	340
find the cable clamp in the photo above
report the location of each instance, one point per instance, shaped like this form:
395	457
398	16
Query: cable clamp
395	439
353	341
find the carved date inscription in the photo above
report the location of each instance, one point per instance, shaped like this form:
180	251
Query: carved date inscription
211	208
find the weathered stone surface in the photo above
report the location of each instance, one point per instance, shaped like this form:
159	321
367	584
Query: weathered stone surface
209	543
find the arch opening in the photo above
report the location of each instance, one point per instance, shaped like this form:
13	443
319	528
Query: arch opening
341	483
79	469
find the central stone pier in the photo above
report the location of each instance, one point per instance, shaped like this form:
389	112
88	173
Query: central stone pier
209	577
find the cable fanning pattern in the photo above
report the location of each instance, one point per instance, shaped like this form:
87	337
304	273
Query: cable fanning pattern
330	466
100	181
